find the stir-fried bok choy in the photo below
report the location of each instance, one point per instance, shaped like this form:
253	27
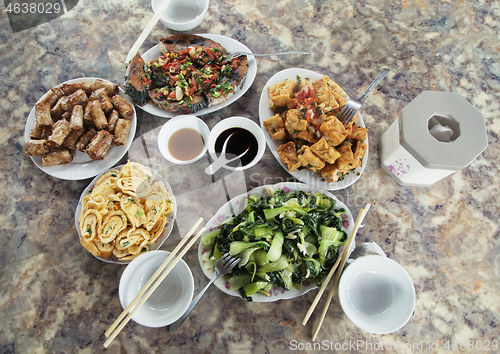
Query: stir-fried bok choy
283	239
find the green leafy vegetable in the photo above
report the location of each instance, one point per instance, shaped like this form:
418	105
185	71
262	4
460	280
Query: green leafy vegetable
282	239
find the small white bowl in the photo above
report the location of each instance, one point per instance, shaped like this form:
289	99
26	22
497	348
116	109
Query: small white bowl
169	301
237	122
174	125
182	15
377	294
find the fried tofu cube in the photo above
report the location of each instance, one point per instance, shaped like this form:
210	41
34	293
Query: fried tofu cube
333	130
308	136
288	154
346	161
331	173
359	133
276	127
337	92
294	122
309	160
281	94
325	151
324	94
359	153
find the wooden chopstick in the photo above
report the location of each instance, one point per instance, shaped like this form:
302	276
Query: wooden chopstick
147	29
347	247
150	287
344	256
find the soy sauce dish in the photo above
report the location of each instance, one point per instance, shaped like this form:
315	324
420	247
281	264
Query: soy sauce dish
182	140
241	134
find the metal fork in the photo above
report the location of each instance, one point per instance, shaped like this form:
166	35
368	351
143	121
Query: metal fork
237	54
223	266
353	105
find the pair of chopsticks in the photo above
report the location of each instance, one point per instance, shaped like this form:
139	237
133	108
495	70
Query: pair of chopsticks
344	255
111	333
147	29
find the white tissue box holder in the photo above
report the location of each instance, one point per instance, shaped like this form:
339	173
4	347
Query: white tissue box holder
412	156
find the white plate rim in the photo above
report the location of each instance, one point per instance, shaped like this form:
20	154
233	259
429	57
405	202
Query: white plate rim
231	45
224	211
166	231
305	175
78	171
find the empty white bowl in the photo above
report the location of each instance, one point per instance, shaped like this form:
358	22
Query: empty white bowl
246	124
377	294
169	301
176	124
182	15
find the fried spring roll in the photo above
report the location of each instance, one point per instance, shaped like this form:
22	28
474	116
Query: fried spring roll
66	116
68	89
122	106
100	120
46	131
73	138
51	96
122	131
60	131
101	96
100	145
112	119
88	120
58	157
57	111
111	88
36	132
76	119
77	97
36	147
42	115
85	139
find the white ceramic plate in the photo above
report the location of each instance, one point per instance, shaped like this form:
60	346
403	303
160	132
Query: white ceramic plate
170	218
82	166
237	204
231	46
169	301
305	175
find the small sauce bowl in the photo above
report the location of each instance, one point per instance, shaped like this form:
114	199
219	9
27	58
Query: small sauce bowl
180	135
169	301
246	132
182	15
377	294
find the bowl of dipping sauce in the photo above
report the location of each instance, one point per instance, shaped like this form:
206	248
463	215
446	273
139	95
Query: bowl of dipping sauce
244	135
170	299
182	15
377	294
182	139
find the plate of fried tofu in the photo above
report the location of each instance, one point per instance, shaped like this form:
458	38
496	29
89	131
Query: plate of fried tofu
80	128
299	110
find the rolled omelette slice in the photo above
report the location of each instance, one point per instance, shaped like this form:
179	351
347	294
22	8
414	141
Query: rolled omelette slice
90	223
112	224
157	229
133	209
134	186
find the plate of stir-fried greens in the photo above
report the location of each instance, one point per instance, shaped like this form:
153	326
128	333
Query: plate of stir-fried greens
287	235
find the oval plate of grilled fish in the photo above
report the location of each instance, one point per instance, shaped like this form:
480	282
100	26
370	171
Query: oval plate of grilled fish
186	74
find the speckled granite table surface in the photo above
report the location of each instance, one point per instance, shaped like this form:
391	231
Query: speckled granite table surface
57	298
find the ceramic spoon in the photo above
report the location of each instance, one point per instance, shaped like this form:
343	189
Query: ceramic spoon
222	160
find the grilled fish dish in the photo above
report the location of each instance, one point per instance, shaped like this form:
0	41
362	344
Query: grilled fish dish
189	75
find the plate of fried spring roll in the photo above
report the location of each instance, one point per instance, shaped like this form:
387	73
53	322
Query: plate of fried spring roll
80	128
